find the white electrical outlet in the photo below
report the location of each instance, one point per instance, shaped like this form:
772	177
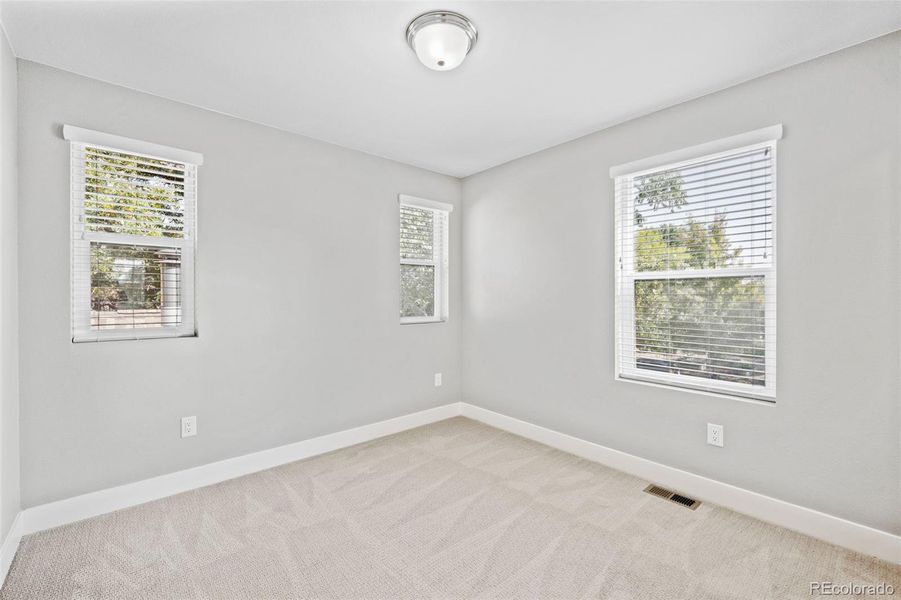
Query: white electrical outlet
437	379
188	426
715	435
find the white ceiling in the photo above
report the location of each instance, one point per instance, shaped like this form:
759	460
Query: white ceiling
542	72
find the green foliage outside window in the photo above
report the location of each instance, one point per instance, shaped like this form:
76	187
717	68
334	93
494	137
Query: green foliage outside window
417	243
130	195
704	327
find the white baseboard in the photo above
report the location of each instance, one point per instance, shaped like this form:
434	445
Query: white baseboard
81	507
828	528
9	547
831	529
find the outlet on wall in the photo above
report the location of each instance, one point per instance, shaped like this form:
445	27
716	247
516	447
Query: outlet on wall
715	434
437	379
188	426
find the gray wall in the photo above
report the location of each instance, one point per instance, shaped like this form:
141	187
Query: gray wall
9	319
297	298
539	291
297	295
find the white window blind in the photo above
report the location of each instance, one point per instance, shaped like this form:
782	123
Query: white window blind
696	264
133	236
423	260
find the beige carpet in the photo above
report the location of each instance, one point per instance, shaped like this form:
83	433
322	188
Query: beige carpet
455	509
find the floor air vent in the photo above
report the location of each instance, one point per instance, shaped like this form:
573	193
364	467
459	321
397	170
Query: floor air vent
656	490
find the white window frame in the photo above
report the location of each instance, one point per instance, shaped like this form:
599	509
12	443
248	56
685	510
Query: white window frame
81	239
439	261
623	175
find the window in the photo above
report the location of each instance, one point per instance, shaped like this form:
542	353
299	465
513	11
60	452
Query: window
696	264
423	260
133	235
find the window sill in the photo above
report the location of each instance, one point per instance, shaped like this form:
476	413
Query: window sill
762	400
111	336
421	320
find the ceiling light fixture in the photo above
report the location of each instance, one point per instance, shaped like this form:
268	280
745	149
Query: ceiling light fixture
441	39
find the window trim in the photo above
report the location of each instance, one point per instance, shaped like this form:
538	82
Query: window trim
441	266
81	286
120	143
624	307
691	154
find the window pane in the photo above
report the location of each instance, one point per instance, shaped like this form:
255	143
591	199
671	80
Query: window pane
709	328
712	214
135	286
417	291
417	233
133	195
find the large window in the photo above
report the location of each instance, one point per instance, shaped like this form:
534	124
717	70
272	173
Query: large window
133	233
696	264
423	260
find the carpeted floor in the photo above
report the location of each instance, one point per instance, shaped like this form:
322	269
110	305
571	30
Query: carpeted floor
456	509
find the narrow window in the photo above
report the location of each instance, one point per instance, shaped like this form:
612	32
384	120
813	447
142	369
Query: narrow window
133	236
696	289
423	260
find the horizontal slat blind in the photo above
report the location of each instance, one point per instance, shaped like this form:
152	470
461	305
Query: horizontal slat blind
126	194
133	244
423	262
696	285
417	230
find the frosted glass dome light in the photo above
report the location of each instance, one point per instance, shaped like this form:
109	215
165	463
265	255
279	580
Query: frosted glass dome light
441	39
